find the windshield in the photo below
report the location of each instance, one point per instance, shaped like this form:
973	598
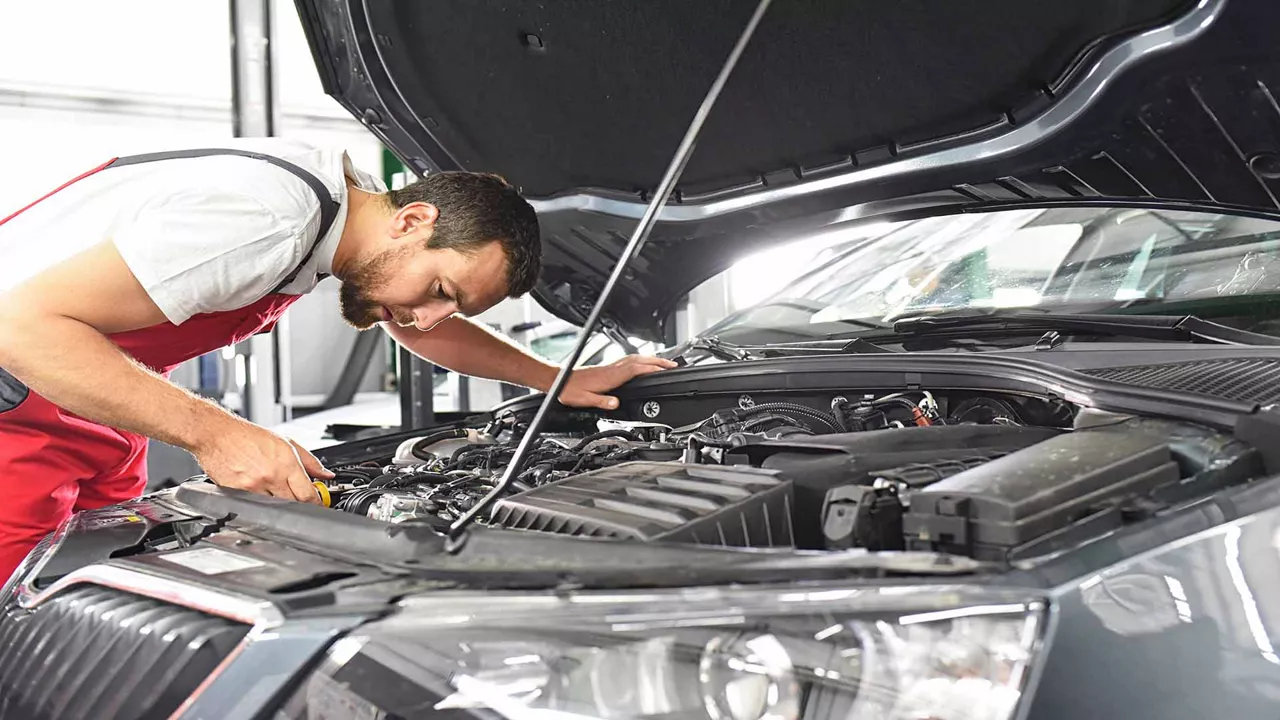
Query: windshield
599	349
554	347
1057	259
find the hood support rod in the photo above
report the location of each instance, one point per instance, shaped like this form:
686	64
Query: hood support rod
647	221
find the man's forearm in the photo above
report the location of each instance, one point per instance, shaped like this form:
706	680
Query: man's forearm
78	369
470	349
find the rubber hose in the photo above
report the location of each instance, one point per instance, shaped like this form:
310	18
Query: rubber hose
754	423
605	434
837	411
419	448
917	415
799	410
897	401
385	480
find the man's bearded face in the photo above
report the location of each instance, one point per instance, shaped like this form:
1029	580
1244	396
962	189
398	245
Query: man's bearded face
355	297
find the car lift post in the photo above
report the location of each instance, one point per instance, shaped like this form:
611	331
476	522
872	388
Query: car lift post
417	391
253	113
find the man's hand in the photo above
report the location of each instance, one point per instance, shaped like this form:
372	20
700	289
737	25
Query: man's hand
587	385
249	457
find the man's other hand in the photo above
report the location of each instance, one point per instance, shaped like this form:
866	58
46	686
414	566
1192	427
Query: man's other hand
586	386
252	458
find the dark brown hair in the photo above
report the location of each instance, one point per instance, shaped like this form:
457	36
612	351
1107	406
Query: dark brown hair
476	209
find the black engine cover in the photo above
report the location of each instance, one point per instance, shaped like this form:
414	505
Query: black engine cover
728	506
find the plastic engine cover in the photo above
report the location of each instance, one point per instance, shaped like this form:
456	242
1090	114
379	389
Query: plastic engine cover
731	506
988	510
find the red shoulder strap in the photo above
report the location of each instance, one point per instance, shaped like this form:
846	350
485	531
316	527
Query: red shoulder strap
58	189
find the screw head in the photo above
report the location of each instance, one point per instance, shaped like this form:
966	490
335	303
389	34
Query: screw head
651	409
746	403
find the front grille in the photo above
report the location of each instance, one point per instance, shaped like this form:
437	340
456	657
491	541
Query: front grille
94	652
1255	380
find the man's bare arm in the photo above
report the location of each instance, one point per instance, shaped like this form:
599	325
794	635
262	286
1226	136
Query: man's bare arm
470	349
52	338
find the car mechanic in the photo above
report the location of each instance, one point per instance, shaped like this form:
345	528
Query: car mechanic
120	275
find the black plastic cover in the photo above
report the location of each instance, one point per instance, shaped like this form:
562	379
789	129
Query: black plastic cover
870	517
732	506
817	464
988	510
1248	379
1261	430
918	475
98	654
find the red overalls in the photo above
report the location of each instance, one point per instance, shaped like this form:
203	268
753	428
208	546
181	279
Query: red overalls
54	463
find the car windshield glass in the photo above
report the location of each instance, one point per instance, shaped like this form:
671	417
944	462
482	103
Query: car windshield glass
1057	259
554	347
599	349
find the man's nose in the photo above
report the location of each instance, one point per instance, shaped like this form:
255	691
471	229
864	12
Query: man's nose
427	318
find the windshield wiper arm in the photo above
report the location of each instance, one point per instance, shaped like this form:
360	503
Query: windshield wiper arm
733	352
1153	327
715	347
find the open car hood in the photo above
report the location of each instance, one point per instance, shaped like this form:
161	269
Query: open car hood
839	111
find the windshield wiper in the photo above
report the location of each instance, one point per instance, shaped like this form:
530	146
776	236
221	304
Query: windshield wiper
732	352
1188	328
715	347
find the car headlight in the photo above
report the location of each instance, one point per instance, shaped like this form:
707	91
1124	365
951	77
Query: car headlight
721	654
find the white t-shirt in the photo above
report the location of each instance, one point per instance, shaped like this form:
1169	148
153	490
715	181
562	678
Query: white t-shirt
200	234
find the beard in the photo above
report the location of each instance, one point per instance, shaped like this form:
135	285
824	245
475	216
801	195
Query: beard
358	308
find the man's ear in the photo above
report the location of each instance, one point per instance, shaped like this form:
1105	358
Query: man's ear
414	217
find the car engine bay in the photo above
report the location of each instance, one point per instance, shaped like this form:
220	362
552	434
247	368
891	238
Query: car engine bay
987	476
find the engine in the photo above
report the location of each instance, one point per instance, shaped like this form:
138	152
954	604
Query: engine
984	476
